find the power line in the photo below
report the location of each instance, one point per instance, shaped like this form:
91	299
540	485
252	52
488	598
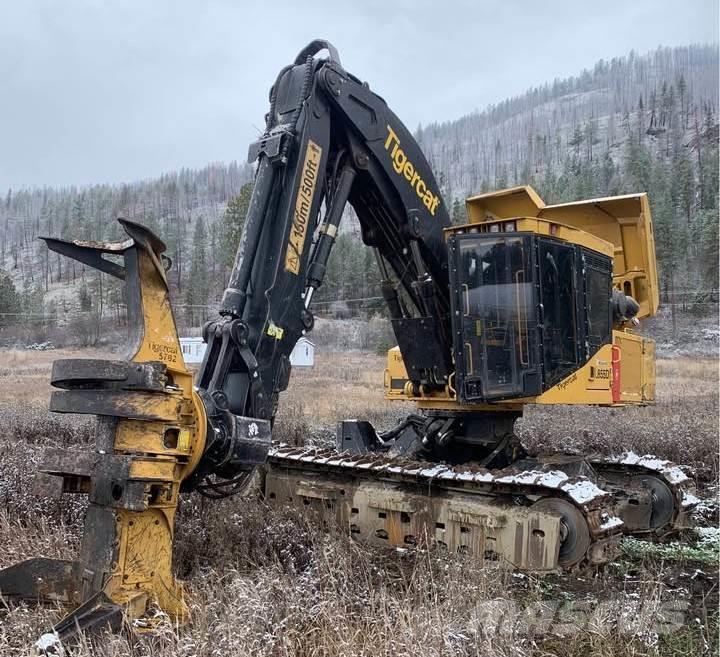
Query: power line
314	303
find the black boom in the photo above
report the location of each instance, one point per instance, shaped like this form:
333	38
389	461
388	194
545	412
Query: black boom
328	141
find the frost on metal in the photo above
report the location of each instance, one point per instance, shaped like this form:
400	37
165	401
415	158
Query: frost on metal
673	473
610	522
581	491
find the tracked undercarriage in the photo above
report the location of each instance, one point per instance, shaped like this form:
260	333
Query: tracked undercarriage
538	514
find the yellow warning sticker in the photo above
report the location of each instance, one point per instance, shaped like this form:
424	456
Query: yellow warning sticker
303	205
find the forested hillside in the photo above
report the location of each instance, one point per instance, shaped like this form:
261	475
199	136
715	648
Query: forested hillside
584	117
636	123
185	208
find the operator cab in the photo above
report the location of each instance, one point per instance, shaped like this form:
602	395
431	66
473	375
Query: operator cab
531	303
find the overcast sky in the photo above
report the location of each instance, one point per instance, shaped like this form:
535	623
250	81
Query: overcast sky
113	91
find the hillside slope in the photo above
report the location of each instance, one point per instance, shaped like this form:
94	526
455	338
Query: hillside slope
586	116
636	123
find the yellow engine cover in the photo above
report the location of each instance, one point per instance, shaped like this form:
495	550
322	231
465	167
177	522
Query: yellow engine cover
617	374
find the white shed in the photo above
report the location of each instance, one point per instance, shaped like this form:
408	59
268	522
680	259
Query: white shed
303	355
193	350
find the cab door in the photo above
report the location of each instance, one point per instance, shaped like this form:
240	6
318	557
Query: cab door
560	340
494	316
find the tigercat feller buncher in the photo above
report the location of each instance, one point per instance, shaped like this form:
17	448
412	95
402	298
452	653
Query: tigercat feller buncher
525	304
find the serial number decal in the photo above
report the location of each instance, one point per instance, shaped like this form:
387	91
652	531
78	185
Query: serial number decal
303	204
164	352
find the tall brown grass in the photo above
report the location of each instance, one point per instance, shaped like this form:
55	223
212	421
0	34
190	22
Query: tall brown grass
270	583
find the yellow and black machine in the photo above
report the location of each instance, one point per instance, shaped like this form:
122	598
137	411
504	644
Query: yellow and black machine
525	304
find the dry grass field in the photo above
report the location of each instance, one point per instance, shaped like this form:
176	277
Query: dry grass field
266	582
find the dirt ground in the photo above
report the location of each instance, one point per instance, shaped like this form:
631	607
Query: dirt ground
264	582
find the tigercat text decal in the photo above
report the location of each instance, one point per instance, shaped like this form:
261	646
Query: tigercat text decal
404	167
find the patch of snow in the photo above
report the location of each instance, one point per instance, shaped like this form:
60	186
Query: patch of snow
708	534
448	474
50	644
609	522
628	458
689	500
583	491
653	463
434	471
40	346
706	507
483	477
673	473
529	477
552	479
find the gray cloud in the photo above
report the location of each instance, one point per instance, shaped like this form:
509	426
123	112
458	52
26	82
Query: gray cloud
112	91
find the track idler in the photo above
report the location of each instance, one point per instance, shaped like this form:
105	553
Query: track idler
652	496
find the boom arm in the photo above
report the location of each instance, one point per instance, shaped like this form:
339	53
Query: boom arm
328	141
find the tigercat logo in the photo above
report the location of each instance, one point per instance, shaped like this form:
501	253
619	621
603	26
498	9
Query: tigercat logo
405	168
303	204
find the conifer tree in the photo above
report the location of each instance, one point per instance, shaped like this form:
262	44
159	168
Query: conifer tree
9	300
233	223
197	289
